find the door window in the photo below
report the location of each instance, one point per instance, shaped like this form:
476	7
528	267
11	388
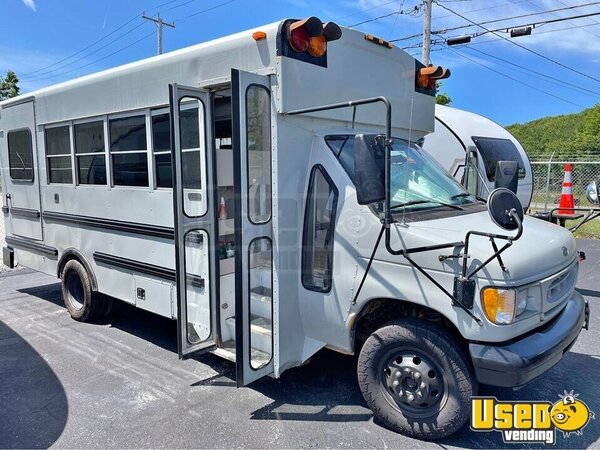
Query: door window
20	155
319	224
493	150
258	136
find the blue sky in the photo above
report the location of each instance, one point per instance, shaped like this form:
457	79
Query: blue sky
41	33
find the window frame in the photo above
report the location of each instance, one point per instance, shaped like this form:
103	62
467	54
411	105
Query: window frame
69	125
104	120
305	249
10	169
144	112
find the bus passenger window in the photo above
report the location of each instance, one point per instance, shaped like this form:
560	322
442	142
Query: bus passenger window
319	224
128	150
161	146
89	152
58	154
258	144
20	155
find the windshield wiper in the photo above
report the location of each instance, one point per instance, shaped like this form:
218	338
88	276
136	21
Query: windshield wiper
467	194
418	202
462	194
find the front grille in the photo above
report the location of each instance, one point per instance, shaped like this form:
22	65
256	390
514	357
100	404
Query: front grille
557	288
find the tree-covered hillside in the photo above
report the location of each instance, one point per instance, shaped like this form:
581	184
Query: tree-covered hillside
573	137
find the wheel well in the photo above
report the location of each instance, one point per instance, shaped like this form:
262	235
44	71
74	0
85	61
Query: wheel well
70	254
378	312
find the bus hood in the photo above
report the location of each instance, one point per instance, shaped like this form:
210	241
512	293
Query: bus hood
542	250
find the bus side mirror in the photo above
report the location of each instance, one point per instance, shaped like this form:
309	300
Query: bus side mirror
507	175
591	192
369	169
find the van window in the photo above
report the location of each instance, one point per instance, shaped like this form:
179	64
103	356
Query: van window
319	223
58	154
20	155
258	144
189	123
343	147
161	143
493	150
128	150
90	158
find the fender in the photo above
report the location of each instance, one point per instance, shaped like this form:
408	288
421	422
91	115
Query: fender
72	253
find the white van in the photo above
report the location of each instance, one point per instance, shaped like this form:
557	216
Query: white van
265	190
459	132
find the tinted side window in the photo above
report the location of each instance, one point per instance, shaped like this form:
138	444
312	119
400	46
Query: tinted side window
89	152
20	155
319	224
58	154
493	150
128	147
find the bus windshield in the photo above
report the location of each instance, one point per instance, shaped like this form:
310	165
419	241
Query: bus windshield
418	182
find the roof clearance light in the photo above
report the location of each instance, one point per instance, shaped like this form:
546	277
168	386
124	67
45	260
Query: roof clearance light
317	46
428	76
259	35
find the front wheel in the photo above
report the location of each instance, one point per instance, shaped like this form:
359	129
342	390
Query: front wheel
416	379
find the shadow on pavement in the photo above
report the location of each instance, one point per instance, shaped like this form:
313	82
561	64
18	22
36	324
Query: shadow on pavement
33	403
324	390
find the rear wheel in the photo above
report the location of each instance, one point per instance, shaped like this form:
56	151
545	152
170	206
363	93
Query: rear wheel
80	300
416	379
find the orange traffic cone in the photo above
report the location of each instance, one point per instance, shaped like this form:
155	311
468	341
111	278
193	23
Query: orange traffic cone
567	202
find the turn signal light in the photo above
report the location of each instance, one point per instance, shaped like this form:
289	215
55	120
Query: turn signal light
499	305
259	35
427	76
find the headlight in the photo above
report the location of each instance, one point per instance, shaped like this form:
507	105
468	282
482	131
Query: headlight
499	305
522	295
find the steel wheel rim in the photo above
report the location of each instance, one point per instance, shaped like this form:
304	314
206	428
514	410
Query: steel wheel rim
75	290
412	382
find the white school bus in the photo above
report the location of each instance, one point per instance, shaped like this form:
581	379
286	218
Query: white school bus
266	191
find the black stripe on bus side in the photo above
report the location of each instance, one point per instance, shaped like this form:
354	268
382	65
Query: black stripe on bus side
145	268
30	244
109	224
23	212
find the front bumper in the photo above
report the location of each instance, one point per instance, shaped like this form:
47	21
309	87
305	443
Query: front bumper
520	361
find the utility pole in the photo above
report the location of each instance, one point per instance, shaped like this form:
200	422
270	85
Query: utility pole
159	30
426	31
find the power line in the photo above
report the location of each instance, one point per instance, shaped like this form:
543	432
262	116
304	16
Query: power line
98	60
535	88
83	57
541	74
413	11
189	16
521	46
22	76
445	30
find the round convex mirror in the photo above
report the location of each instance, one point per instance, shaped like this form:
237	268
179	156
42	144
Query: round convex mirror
500	202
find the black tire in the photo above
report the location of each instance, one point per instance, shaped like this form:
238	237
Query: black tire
419	345
80	300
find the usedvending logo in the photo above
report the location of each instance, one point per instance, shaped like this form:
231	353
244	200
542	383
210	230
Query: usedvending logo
530	421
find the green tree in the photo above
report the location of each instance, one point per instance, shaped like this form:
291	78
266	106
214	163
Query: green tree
442	98
9	85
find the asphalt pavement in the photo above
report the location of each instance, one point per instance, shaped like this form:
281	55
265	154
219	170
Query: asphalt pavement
119	384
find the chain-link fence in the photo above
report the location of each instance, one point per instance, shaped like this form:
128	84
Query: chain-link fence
549	175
